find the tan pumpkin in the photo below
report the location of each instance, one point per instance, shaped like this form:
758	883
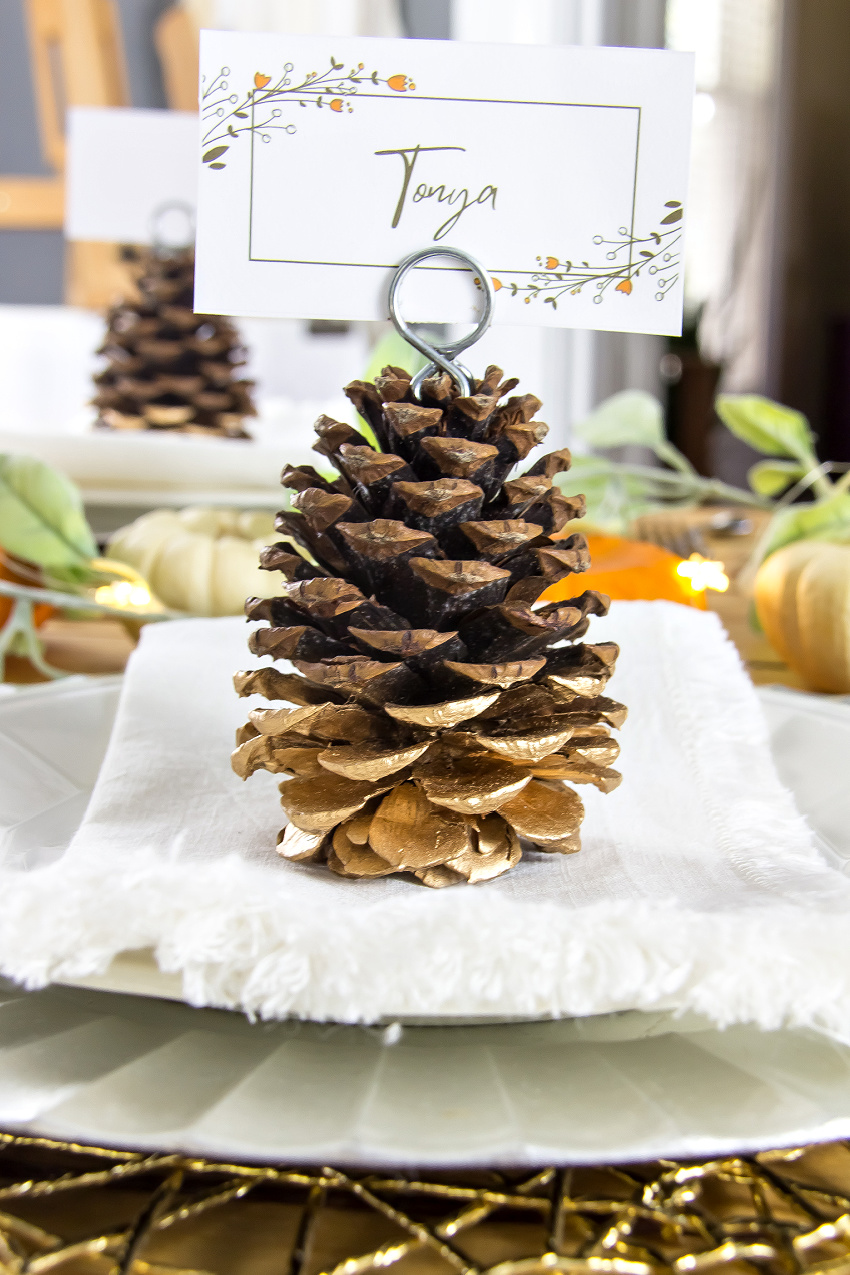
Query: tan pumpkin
200	560
802	595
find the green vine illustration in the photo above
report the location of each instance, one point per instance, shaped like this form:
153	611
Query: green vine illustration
226	116
627	256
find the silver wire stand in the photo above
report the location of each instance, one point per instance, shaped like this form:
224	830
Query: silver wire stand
441	356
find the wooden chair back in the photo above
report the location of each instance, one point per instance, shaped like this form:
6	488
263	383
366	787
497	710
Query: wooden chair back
77	58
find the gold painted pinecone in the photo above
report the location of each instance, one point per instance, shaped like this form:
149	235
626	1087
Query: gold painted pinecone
167	367
442	710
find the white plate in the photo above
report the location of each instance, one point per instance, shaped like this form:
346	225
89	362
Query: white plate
150	467
169	469
134	1071
810	741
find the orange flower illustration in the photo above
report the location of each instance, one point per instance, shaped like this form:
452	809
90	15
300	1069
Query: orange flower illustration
561	277
497	283
227	117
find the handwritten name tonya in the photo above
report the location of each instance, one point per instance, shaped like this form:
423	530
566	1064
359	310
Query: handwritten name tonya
456	196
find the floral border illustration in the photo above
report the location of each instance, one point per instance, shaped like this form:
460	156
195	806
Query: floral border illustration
221	109
627	256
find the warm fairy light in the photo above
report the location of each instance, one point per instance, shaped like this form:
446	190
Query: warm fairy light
704	574
123	594
126	591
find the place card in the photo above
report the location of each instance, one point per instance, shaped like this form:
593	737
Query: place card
126	169
563	170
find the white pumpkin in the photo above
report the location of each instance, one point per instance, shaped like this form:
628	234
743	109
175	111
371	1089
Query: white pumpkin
201	560
802	595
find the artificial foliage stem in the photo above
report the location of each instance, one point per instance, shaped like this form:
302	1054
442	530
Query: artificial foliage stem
676	459
21	623
822	486
693	485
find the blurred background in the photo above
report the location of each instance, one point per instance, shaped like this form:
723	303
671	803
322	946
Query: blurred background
768	251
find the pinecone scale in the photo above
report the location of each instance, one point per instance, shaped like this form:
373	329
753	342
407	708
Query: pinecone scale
442	711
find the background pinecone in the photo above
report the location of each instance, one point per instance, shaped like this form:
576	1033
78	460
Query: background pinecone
441	708
169	368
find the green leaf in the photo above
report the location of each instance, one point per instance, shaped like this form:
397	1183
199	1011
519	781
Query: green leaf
838	534
393	350
215	153
770	477
41	514
768	427
824	520
74	577
672	217
586	474
630	418
613	498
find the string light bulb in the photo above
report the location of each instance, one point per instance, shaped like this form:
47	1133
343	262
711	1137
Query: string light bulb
703	574
123	594
126	591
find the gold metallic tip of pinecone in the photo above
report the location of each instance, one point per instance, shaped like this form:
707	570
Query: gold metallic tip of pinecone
372	794
440	841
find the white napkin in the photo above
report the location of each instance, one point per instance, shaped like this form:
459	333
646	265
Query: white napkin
698	885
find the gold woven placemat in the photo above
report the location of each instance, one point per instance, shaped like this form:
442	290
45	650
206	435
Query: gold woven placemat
79	1210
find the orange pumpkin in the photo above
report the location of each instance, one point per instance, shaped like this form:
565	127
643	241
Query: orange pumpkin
18	571
630	569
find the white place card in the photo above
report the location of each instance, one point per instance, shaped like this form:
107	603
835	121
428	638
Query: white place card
563	170
125	168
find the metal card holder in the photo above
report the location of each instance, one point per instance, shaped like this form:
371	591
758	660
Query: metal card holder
441	356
